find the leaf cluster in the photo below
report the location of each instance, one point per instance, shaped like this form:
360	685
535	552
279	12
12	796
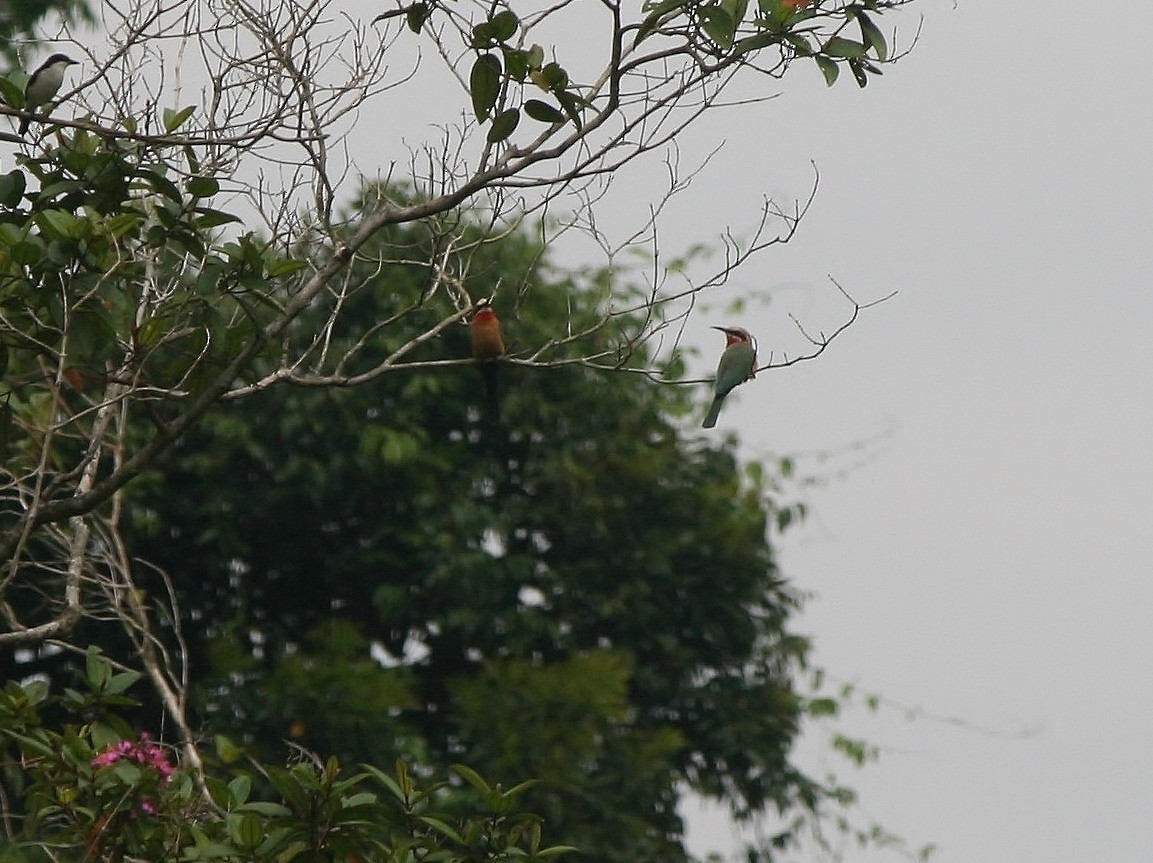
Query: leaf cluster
67	800
502	68
800	28
111	272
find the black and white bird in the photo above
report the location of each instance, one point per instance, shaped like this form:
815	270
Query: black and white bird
44	85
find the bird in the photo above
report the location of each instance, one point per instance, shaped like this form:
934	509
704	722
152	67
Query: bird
44	85
738	364
487	348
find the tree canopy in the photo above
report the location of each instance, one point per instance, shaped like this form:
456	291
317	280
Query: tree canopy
579	594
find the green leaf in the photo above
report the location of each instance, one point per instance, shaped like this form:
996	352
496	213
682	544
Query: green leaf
657	17
484	85
285	267
784	519
288	784
572	105
61	253
126	772
57	222
543	112
503	125
294	853
240	787
718	24
521	787
828	68
388	782
859	72
556	851
840	47
503	25
192	159
442	828
12	187
819	707
162	185
873	36
228	751
481	36
269	810
34	743
97	669
59	188
391	13
855	750
173	120
416	15
249	831
516	62
773	15
203	187
218	791
472	778
551	77
363	798
119	225
122	682
799	44
737	9
27	252
11	93
755	43
209	218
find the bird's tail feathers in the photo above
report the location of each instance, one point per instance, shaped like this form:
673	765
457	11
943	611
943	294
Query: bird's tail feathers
714	412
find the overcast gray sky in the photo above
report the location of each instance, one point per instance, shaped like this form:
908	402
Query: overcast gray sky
991	560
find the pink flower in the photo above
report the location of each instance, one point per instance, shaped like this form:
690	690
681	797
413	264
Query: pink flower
142	751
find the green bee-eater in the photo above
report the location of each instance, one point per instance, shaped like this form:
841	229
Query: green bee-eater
738	364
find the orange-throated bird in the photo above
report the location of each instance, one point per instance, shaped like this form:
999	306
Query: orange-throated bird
487	348
738	364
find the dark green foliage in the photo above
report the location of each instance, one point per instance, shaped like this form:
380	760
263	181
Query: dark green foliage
495	82
729	29
99	294
580	595
96	791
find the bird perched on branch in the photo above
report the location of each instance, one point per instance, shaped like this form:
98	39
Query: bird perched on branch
44	85
738	364
487	348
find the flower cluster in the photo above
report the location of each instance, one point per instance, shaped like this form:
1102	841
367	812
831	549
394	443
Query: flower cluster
142	751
